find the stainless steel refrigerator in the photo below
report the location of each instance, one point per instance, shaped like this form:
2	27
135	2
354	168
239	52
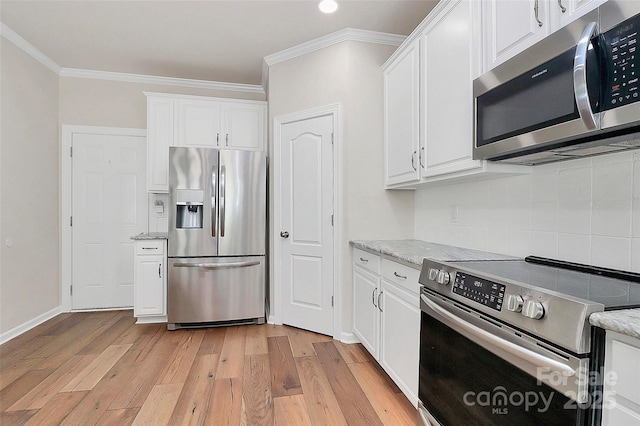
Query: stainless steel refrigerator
217	231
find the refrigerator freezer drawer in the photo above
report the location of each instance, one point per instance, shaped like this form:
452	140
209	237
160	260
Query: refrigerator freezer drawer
212	289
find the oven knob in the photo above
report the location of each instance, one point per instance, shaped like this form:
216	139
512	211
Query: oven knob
443	278
533	309
433	274
514	303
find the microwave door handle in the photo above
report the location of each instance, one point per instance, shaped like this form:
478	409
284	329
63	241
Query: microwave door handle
580	78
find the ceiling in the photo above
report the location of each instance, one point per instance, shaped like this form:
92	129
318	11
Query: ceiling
223	41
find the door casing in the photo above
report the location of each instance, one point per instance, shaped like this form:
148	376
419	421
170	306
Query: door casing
334	110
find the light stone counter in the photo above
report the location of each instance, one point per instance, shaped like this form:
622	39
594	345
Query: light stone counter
411	252
626	321
151	236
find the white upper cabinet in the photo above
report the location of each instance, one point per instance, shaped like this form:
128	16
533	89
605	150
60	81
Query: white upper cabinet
512	26
450	52
401	118
179	120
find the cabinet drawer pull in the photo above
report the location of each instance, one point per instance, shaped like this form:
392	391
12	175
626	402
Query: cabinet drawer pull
149	248
362	259
400	276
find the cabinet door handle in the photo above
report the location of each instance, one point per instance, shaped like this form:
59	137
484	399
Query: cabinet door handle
562	8
422	157
400	276
227	140
160	270
535	9
413	157
217	139
379	305
362	259
373	297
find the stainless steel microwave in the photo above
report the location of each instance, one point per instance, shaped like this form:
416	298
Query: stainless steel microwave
574	94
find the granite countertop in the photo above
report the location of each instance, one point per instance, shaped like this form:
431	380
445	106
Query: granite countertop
625	321
151	236
413	251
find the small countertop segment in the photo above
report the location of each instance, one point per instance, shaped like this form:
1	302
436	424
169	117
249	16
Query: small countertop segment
413	252
151	236
625	321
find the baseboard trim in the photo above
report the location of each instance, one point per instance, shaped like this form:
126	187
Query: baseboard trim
349	338
24	327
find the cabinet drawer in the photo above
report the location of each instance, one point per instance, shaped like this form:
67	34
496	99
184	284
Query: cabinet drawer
366	260
150	247
625	362
403	276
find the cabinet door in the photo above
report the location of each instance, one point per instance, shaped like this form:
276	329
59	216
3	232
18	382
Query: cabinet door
160	136
365	311
573	9
199	123
512	26
149	286
401	118
449	63
244	126
400	339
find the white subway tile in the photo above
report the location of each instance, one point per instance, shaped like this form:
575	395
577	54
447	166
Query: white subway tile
519	242
498	240
545	187
544	244
544	216
574	185
635	215
574	217
611	252
574	248
636	179
611	218
612	181
635	254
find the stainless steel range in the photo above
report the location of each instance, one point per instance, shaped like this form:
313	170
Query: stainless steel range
509	342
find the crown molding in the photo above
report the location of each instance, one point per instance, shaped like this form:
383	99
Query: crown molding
164	81
347	34
28	48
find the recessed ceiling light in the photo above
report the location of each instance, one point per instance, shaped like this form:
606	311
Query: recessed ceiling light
328	6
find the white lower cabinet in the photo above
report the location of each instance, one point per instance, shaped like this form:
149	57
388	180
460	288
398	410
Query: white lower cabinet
621	401
150	282
386	308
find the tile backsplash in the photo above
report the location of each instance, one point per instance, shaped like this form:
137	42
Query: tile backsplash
585	211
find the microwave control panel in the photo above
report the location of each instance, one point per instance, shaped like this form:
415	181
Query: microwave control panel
479	290
622	44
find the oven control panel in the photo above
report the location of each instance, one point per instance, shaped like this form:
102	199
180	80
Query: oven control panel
479	290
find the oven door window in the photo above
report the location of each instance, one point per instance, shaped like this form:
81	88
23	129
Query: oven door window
462	383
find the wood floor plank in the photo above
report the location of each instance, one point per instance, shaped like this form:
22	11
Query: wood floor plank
352	400
178	367
16	418
353	352
195	397
19	387
91	374
321	402
257	400
101	342
44	391
226	402
391	409
19	367
232	356
213	341
146	342
158	407
256	340
57	408
284	374
291	411
274	330
122	417
302	341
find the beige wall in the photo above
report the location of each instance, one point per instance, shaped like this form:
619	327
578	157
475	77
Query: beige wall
348	73
29	276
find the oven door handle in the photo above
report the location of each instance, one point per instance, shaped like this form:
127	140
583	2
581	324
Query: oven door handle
498	342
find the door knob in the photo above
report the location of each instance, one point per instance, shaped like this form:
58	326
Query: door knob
284	234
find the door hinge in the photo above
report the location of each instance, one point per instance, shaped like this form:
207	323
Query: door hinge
70	151
70	220
71	289
331	138
331	301
331	220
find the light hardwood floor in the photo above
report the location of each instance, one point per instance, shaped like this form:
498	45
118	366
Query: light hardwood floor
101	368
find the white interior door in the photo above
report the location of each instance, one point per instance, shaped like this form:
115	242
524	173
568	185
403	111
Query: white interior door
109	206
306	234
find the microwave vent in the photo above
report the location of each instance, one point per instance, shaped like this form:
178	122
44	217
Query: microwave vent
634	143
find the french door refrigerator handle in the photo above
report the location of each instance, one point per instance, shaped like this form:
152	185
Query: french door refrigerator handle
213	201
223	195
498	342
580	88
242	264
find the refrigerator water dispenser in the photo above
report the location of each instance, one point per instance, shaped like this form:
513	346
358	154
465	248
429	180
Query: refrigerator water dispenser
189	208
